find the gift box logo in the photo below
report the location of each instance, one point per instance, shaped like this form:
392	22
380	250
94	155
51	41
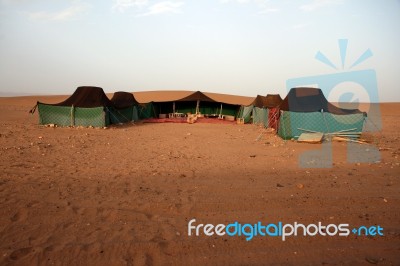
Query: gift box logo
354	89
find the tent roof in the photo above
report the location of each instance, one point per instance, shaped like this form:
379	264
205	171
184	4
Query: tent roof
269	101
259	101
229	98
273	100
196	96
160	96
87	96
170	96
305	99
122	99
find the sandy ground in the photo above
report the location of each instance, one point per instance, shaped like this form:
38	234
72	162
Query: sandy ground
124	195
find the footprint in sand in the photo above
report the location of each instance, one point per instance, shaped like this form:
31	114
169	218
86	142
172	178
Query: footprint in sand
19	253
143	259
19	216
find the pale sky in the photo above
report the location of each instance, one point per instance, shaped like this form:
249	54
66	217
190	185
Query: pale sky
243	47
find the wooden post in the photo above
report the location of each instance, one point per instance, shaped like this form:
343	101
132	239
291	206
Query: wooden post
72	116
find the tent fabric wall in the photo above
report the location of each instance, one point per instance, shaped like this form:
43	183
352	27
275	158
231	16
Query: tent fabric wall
95	117
188	104
73	116
209	108
259	109
135	113
246	113
260	116
87	106
307	108
118	116
206	108
49	114
146	111
185	107
290	122
125	109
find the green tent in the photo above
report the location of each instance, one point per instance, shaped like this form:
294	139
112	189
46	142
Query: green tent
87	106
195	103
258	111
246	113
146	110
308	109
126	108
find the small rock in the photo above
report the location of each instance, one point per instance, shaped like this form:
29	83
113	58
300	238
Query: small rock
385	200
279	185
300	186
372	260
253	156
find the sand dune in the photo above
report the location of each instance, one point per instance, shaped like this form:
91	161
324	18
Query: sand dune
125	195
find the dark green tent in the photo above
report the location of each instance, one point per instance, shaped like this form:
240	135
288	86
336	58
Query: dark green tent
126	108
87	106
258	111
307	108
195	103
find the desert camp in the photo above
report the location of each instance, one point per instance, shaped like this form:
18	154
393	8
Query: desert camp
179	104
132	167
302	110
89	106
132	188
191	133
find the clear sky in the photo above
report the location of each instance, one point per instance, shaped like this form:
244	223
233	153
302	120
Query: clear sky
244	47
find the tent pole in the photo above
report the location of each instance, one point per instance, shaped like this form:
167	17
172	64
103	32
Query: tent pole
72	116
326	123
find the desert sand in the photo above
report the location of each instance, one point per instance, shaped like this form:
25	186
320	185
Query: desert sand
124	195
